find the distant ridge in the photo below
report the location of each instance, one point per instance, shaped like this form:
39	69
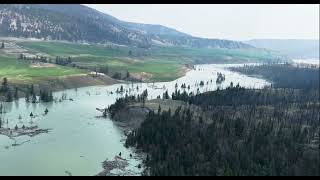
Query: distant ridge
78	23
294	48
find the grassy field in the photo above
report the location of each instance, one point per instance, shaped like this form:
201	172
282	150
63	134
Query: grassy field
69	49
118	59
161	69
163	63
214	54
22	71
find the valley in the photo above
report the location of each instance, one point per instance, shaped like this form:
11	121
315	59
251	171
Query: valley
155	64
83	93
76	126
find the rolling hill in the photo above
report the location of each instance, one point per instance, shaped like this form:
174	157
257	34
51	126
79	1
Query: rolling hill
78	23
97	40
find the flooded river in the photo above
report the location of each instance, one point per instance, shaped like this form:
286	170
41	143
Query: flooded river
79	140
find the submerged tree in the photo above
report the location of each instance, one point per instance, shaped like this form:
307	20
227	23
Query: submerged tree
46	96
127	74
34	98
4	85
16	93
9	97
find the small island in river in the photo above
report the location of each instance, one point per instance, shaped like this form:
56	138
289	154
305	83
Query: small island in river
23	131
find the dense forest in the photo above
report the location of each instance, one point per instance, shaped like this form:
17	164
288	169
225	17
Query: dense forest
284	75
238	131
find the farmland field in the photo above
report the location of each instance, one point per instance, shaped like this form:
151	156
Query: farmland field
21	70
163	63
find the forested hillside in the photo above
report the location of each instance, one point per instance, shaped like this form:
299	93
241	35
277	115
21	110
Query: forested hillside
273	131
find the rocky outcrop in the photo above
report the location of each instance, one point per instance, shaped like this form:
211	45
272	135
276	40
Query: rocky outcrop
131	117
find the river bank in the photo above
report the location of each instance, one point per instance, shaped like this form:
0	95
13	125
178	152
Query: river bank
60	83
56	84
131	117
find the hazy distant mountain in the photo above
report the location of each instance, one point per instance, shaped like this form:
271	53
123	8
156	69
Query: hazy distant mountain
294	48
80	23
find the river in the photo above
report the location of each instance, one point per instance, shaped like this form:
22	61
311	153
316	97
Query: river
313	61
79	140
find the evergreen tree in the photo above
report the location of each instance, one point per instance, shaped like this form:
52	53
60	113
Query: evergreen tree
127	74
166	95
34	98
16	93
9	97
46	96
5	85
159	109
21	56
31	89
27	97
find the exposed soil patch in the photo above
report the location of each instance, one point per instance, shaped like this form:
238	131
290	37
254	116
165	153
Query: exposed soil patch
85	80
142	76
184	69
132	116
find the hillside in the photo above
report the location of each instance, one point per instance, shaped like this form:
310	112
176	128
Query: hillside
79	23
230	132
294	48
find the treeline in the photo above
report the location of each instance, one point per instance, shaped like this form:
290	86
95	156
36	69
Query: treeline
104	69
35	58
121	103
120	74
7	92
247	139
10	93
68	61
284	75
44	95
236	131
63	61
234	96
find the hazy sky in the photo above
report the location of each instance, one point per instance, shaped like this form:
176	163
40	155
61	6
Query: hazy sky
237	22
